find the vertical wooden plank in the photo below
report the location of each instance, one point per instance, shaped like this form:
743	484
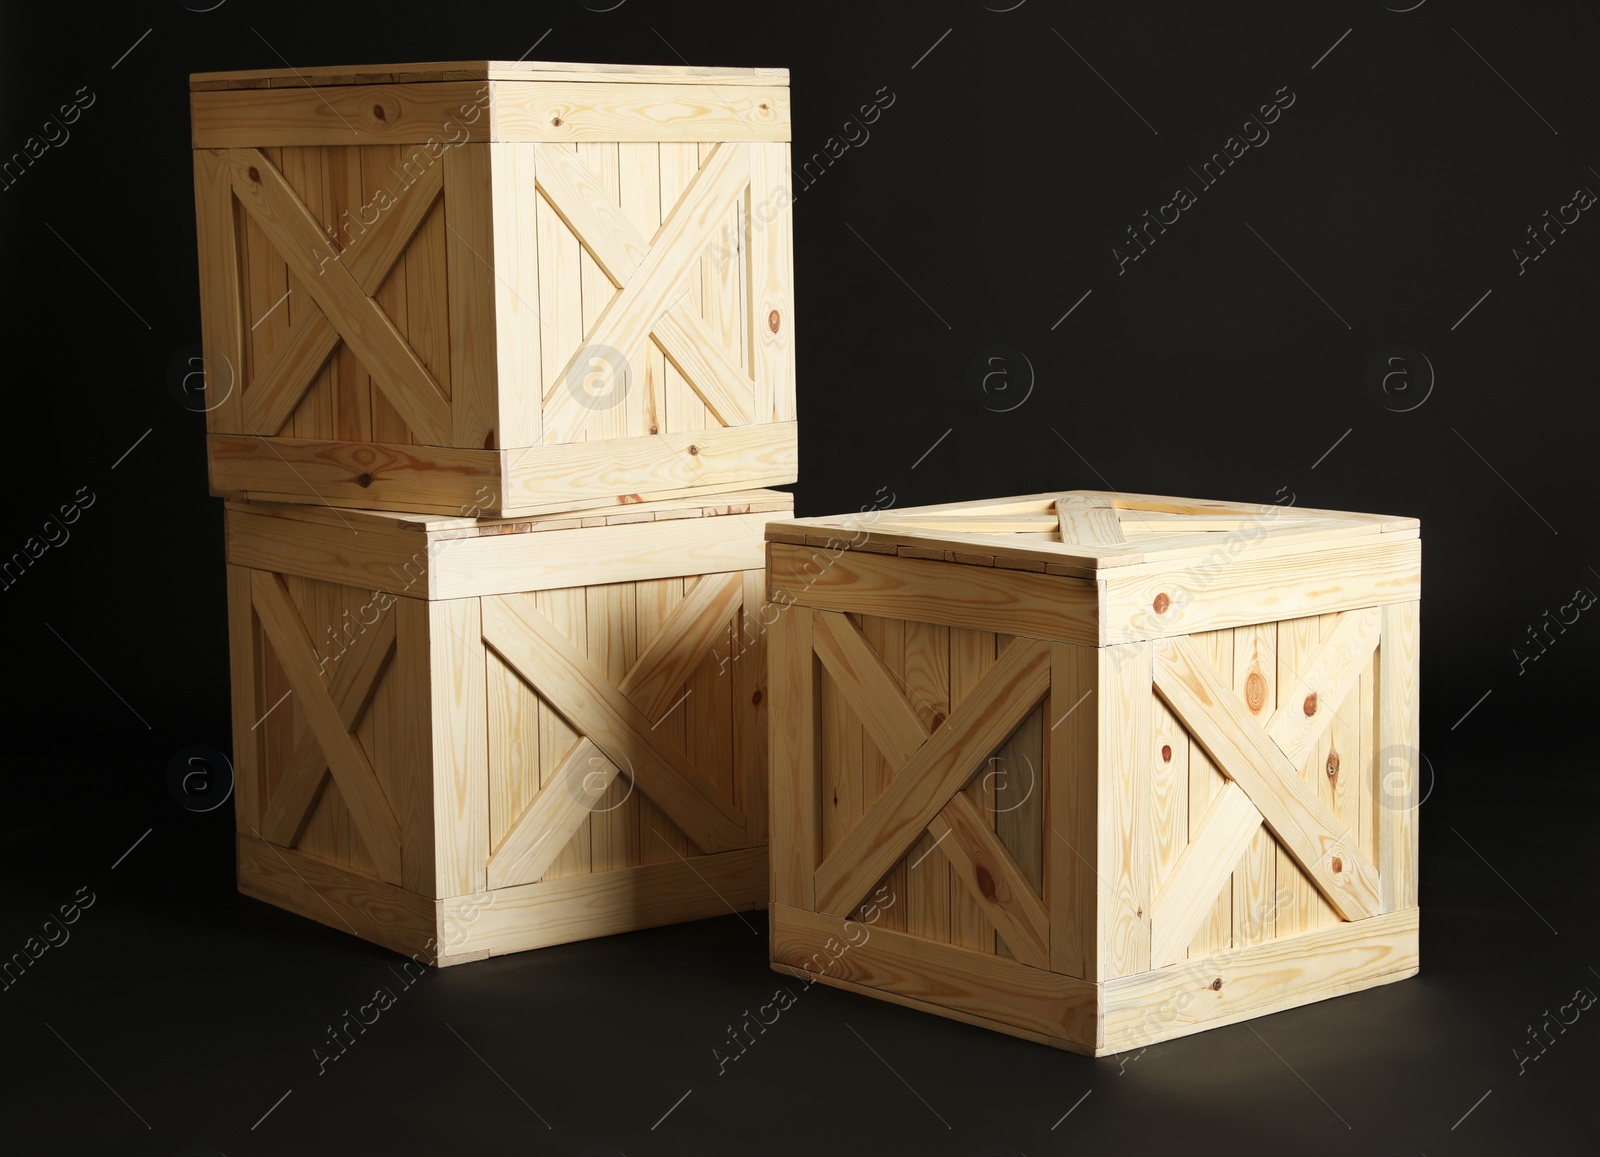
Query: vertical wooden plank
560	298
244	668
427	295
1339	784
459	746
313	417
927	885
1370	789
222	326
1302	907
513	745
659	837
722	274
708	715
266	285
639	170
519	359
601	159
378	165
566	610
793	829
888	638
771	282
680	161
276	722
1206	782
1169	794
1399	753
613	647
1256	679
972	653
469	252
1074	817
1124	839
352	401
751	708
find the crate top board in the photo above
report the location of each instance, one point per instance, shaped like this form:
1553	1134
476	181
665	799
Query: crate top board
488	100
1097	567
432	557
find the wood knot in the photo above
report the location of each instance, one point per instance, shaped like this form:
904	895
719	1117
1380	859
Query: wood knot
763	106
254	174
1216	985
1166	753
1255	692
1337	865
755	698
773	321
984	881
655	429
1310	705
377	111
1333	763
693	449
1162	602
364	480
556	121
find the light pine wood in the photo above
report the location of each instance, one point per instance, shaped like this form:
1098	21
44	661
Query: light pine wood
328	76
1257	681
519	331
771	282
1123	855
1322	682
1302	907
1245	754
960	982
1206	782
244	650
1074	809
474	299
966	838
1400	777
868	683
459	745
643	111
222	335
1223	837
1088	521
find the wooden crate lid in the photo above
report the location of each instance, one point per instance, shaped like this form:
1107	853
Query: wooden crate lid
439	527
329	76
1087	532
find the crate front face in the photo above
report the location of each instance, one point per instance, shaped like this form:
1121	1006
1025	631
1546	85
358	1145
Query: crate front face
626	727
448	313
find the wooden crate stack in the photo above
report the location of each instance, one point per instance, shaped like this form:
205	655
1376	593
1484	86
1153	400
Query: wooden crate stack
498	359
1096	770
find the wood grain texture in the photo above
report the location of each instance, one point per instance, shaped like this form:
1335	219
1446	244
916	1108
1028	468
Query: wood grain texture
967	839
458	723
598	111
1399	756
1074	810
1181	906
1124	846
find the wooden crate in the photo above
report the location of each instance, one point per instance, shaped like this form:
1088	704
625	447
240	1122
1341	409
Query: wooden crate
1096	770
510	288
459	738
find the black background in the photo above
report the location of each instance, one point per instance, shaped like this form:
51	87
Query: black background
984	204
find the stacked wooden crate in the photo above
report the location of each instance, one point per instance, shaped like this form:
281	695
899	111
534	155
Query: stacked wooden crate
498	356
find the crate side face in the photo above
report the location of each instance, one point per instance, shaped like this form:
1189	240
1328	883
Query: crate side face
1254	790
326	759
623	725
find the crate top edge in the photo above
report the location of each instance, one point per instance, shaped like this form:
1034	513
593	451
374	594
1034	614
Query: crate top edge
739	503
1024	532
497	70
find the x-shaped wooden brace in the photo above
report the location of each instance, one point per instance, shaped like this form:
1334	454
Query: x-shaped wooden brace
925	793
1262	765
618	723
647	272
341	305
331	709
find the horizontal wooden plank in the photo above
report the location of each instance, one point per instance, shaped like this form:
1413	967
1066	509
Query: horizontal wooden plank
343	899
593	111
1208	597
604	903
940	978
446	114
512	70
696	461
590	555
371	558
420	478
1015	602
1264	978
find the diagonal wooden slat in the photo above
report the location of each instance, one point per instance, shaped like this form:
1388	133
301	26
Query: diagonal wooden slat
692	629
1323	683
553	818
651	289
1087	520
575	688
369	332
703	360
867	684
1190	891
994	879
992	710
355	678
1248	756
352	771
371	255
